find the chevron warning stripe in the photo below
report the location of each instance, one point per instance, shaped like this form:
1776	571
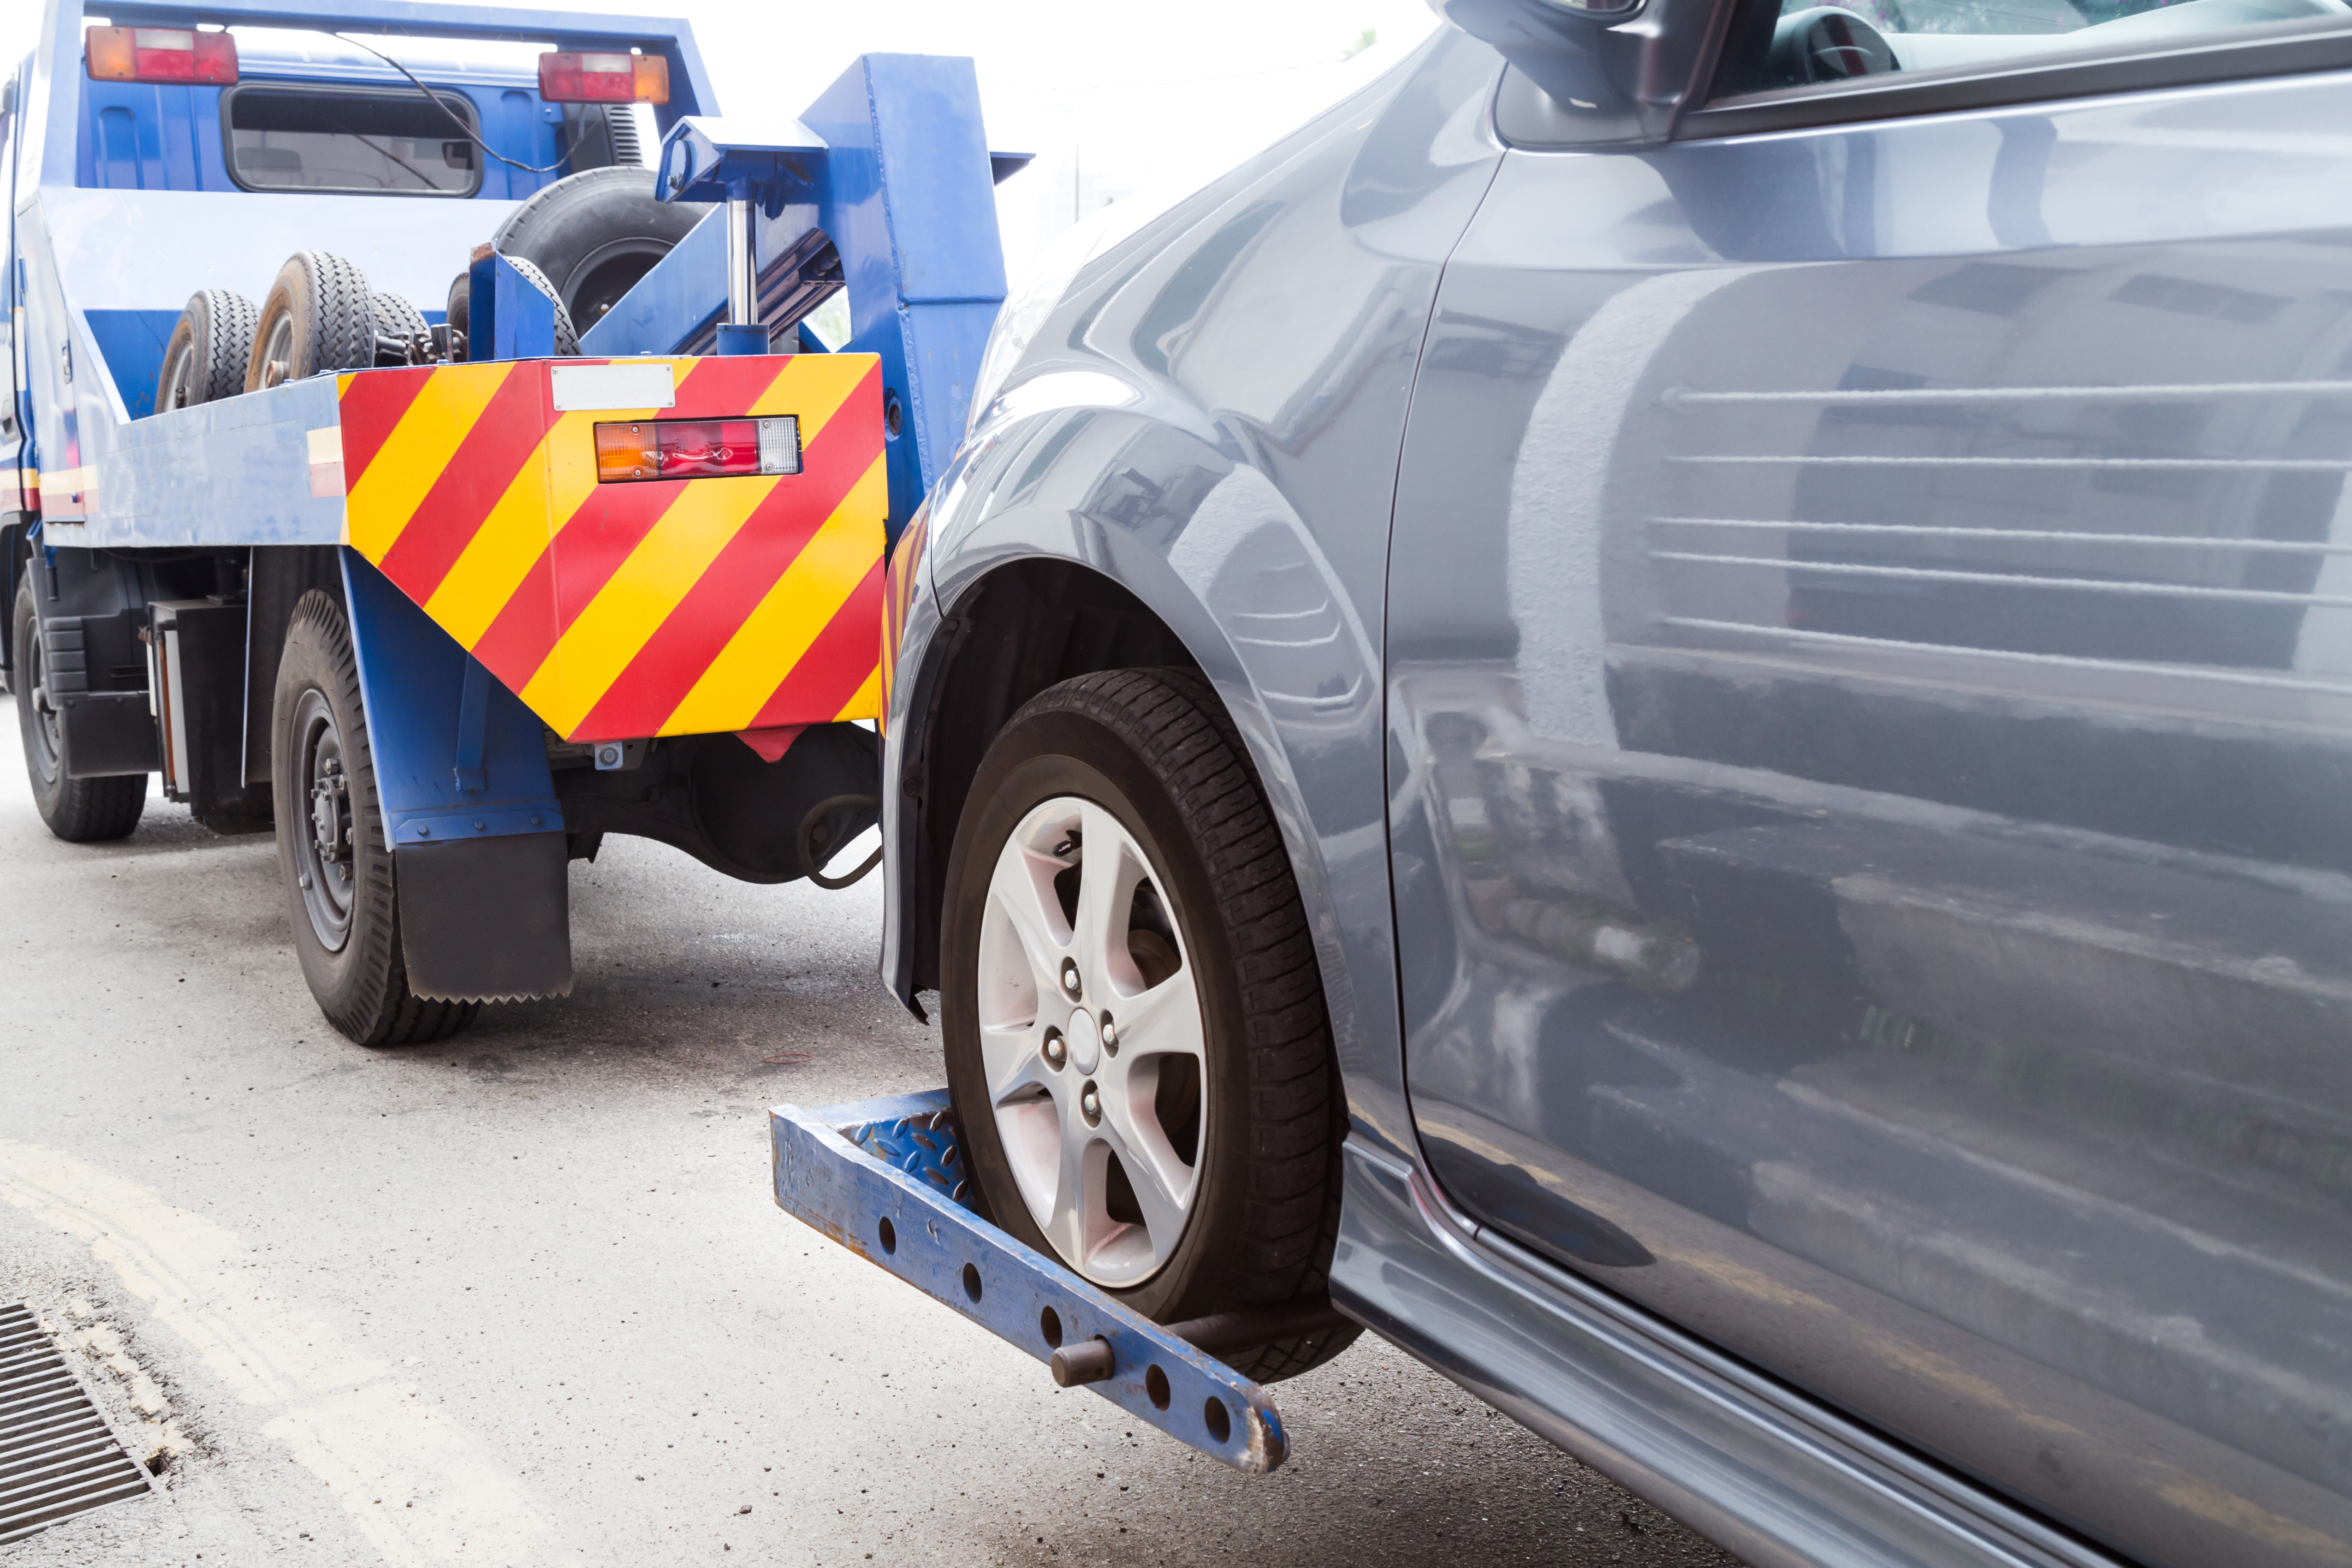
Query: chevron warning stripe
615	610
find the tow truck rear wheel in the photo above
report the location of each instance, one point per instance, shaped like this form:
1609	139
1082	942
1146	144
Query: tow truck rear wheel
318	315
342	899
1137	1042
79	811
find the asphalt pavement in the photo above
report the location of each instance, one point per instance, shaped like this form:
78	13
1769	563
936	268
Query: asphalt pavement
525	1297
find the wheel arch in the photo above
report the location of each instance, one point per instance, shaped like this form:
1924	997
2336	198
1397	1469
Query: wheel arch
1016	621
1020	626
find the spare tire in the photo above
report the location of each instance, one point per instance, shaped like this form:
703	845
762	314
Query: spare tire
595	233
208	351
318	316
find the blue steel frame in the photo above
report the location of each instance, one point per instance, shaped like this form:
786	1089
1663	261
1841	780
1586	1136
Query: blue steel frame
71	425
898	1214
457	756
891	164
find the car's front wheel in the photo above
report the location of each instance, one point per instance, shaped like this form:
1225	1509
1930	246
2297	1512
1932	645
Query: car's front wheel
1136	1035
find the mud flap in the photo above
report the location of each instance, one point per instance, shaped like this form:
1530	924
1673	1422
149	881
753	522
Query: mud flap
486	920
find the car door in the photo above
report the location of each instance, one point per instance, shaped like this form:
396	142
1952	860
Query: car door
1870	684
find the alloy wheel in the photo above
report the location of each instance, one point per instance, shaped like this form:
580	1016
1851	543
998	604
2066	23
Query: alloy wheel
1092	1040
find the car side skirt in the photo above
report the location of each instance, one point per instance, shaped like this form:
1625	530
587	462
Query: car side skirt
1768	1473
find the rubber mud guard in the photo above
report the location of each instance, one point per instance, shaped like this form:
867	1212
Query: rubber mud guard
486	920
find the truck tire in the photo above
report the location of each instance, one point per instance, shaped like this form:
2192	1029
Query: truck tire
342	899
318	315
461	301
79	811
1136	1044
208	351
403	335
595	233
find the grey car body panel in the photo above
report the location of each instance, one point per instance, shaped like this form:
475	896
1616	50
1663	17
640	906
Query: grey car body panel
1194	426
1863	894
1871	1030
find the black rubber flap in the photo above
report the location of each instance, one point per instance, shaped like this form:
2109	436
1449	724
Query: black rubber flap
486	920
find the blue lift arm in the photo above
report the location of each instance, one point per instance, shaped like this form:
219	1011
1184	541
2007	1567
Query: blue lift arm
885	1179
888	177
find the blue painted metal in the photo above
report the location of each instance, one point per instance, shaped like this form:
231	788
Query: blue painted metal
715	160
670	37
829	1175
743	340
419	687
923	1145
132	344
905	190
508	317
234	471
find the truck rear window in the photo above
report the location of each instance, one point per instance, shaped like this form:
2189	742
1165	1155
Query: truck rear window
378	144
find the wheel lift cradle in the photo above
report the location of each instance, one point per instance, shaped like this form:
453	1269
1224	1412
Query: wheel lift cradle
885	1178
883	188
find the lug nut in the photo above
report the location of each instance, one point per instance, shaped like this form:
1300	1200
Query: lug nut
1070	977
1109	1036
1090	1103
1056	1050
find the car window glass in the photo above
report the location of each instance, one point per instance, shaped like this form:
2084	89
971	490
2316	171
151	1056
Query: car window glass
1783	44
282	138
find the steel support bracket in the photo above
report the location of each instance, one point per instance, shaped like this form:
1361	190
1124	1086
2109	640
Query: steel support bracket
882	1178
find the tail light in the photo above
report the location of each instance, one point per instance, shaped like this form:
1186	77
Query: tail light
697	448
160	54
566	78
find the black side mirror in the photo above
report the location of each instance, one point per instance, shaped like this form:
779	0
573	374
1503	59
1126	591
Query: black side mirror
1615	70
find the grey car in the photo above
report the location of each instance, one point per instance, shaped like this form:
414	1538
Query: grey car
1671	702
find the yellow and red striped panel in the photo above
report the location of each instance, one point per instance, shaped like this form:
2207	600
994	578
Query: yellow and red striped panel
614	611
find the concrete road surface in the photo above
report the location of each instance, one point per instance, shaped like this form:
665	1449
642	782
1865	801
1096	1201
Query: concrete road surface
524	1299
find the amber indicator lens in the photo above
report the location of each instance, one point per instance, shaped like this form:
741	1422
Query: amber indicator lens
160	54
565	77
697	448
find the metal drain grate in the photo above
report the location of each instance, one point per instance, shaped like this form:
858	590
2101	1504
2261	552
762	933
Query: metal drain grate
57	1456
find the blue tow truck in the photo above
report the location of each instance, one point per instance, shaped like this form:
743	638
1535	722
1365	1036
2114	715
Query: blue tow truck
395	463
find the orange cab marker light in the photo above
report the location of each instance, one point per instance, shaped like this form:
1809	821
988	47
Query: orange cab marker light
697	448
569	77
160	55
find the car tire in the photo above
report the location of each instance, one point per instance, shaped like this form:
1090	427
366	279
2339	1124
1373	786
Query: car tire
595	233
403	335
1198	936
318	315
79	811
342	900
207	355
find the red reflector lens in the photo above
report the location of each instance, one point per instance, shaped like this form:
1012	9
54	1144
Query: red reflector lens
160	55
572	77
697	448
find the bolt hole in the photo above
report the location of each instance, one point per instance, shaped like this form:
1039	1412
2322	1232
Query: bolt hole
894	416
971	1280
1155	1383
889	1236
1220	1424
1049	1323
